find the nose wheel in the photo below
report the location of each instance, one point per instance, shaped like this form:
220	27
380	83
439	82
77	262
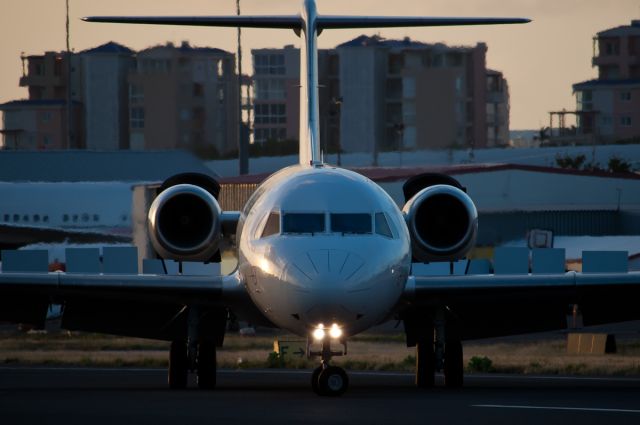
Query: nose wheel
326	380
330	381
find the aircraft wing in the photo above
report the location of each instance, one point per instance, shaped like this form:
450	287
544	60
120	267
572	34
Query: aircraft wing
497	305
11	235
149	306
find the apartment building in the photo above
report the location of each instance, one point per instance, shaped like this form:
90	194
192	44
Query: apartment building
276	94
183	97
404	94
164	97
96	80
104	95
41	121
608	107
381	95
497	109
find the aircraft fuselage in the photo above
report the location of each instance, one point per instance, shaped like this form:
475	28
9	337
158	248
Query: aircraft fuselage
323	245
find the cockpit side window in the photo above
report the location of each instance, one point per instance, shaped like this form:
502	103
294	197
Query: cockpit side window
358	224
382	226
303	223
272	226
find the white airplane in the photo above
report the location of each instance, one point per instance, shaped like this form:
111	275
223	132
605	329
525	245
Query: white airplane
323	253
64	212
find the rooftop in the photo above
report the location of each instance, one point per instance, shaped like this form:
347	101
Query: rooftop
606	83
623	30
186	48
95	166
110	47
388	174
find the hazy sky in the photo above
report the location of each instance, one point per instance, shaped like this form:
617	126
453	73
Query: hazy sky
540	60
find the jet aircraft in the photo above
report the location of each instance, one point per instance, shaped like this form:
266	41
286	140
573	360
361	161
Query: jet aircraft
323	252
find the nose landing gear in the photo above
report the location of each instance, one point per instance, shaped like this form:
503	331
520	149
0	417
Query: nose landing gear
326	380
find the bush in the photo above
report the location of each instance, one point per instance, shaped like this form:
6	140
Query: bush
480	364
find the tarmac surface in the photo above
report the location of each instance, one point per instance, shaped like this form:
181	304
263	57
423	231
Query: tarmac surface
93	396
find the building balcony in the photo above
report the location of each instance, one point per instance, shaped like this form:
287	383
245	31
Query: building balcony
41	80
495	97
607	60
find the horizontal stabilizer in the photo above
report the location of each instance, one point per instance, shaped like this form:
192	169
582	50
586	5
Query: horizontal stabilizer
336	22
284	21
295	21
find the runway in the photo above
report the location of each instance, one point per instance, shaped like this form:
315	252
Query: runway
90	396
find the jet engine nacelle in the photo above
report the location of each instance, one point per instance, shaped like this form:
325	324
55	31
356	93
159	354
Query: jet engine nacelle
443	223
185	223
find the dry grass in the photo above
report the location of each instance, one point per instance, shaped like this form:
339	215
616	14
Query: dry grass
366	352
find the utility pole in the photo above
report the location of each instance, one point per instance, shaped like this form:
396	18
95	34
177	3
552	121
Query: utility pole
243	154
70	138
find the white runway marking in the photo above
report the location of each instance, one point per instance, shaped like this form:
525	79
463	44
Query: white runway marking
577	409
554	378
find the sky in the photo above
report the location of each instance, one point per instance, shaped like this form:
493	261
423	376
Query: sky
540	60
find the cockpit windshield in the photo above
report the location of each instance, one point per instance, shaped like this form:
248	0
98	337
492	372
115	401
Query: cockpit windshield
303	223
351	223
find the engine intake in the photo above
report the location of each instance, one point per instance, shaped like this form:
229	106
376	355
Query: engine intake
184	223
443	223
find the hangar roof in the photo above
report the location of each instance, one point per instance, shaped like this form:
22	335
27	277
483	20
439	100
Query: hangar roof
96	166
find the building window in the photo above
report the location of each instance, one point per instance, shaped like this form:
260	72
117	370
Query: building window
269	64
265	134
136	93
156	65
7	217
396	63
274	113
198	90
220	68
65	218
46	116
269	89
137	117
625	121
625	96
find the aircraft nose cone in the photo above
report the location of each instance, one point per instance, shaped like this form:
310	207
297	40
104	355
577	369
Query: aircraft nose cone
330	268
326	276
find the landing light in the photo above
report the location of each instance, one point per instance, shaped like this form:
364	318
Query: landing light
318	333
335	331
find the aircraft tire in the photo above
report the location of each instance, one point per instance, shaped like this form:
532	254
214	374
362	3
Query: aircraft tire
206	365
315	385
178	365
425	364
453	365
333	381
